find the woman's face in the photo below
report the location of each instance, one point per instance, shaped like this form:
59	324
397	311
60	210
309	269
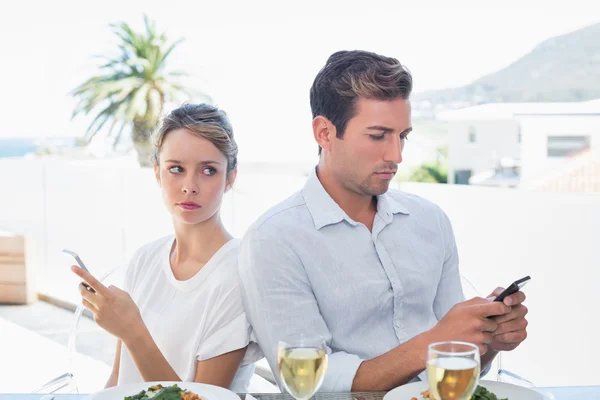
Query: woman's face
192	173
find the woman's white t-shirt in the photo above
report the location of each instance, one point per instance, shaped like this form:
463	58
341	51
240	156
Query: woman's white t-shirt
196	319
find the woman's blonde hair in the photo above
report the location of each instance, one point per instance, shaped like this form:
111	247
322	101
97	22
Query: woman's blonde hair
204	120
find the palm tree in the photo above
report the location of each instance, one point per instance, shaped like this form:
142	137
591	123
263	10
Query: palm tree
131	89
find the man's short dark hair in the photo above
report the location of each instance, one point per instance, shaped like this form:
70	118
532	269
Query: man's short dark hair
350	75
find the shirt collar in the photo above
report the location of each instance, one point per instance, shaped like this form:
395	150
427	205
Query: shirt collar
325	211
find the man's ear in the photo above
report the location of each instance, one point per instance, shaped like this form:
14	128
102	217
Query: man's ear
324	132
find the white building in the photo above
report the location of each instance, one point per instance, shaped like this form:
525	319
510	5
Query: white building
541	135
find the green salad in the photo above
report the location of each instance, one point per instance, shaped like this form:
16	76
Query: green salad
482	393
159	392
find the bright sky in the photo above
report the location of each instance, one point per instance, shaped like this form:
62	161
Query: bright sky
257	59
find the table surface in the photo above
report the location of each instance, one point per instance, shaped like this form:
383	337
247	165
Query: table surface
559	393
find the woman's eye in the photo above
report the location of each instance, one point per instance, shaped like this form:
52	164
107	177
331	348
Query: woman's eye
209	171
176	169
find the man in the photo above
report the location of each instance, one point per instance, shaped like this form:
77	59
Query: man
374	272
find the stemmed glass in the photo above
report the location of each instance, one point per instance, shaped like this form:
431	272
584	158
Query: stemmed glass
302	363
453	370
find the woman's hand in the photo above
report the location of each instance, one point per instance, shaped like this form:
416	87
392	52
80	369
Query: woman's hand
114	310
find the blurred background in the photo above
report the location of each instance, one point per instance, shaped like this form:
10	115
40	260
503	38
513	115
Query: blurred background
506	117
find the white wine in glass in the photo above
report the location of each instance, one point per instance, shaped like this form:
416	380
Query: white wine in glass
453	370
302	367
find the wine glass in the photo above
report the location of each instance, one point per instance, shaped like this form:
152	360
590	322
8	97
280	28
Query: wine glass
302	364
453	370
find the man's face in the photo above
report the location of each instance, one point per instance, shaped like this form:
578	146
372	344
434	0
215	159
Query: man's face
366	158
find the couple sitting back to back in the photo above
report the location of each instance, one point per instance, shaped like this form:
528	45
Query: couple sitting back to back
373	272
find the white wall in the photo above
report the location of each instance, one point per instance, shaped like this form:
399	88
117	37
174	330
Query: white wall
22	204
105	212
495	140
535	131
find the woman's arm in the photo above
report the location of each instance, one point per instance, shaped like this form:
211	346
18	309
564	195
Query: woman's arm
153	366
149	360
219	370
114	375
115	311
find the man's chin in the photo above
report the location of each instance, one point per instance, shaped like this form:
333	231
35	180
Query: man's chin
377	189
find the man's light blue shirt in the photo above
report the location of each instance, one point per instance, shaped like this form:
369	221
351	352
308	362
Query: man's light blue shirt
307	268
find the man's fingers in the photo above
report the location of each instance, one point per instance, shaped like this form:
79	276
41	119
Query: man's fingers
491	309
511	326
489	325
498	346
496	293
516	312
512	337
488	338
473	301
483	348
514	299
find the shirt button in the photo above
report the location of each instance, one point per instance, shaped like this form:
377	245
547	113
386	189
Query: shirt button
397	323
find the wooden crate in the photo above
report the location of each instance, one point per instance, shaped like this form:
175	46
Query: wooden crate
15	285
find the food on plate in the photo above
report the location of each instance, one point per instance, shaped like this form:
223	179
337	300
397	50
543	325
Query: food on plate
480	393
159	392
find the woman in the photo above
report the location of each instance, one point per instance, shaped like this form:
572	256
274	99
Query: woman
180	316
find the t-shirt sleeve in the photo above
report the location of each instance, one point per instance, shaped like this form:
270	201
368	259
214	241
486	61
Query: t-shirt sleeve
227	329
232	336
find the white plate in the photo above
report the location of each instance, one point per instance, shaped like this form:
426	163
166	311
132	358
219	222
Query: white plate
502	390
209	392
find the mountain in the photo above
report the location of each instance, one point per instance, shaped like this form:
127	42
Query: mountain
563	68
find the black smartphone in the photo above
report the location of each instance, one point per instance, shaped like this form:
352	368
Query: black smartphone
82	265
513	288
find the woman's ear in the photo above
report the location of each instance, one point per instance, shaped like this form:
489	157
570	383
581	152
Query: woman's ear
157	172
230	180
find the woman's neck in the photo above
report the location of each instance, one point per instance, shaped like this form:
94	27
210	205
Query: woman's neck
196	244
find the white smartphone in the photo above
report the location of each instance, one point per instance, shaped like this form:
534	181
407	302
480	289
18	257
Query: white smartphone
82	265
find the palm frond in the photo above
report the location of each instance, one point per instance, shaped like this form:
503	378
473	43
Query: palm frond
133	86
177	74
165	54
119	135
101	119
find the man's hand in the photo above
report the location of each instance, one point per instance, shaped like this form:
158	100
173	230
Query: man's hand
512	327
471	321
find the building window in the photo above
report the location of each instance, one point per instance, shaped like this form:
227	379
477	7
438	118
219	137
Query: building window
564	146
472	135
461	176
